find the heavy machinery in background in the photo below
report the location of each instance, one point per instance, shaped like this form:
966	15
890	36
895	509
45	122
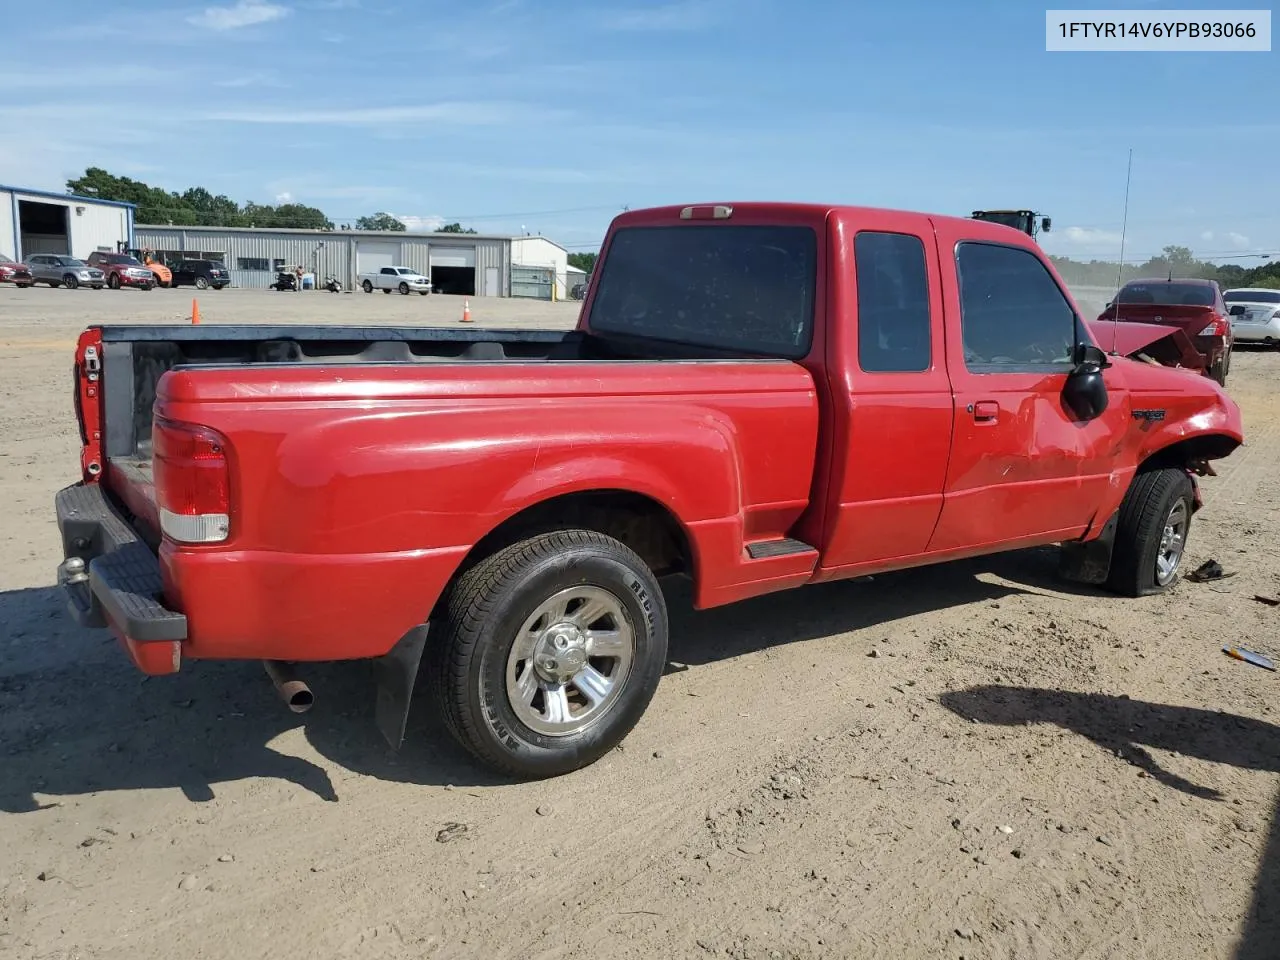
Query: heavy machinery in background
1028	221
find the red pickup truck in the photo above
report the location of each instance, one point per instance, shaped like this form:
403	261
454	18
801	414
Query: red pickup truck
757	396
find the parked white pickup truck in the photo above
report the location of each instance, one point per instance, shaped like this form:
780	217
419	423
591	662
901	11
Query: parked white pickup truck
405	279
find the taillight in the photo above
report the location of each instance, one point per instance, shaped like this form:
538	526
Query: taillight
1217	328
192	481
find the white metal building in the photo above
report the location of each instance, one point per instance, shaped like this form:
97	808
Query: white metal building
38	221
459	263
538	263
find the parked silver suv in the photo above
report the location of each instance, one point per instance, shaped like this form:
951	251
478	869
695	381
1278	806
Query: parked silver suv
61	271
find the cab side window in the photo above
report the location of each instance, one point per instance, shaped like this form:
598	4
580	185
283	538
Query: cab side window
1013	316
894	322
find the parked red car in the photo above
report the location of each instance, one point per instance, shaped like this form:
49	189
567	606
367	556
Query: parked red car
11	271
123	270
757	397
1165	308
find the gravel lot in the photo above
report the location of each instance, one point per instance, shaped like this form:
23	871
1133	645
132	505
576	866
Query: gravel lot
971	760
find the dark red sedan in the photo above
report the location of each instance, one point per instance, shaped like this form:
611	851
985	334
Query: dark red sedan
11	271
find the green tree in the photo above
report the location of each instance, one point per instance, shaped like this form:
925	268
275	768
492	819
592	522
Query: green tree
586	262
380	221
454	228
195	206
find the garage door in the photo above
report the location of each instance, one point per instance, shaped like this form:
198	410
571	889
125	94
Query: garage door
373	255
459	256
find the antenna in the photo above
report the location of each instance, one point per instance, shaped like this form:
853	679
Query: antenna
1124	227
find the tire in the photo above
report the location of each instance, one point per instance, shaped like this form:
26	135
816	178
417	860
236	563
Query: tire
70	281
404	289
202	283
114	282
24	286
1224	367
476	670
423	292
1155	500
386	290
367	286
146	287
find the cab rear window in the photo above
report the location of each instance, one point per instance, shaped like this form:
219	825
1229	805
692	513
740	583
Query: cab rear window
743	289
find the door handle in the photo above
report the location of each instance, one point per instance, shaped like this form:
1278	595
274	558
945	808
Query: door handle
985	411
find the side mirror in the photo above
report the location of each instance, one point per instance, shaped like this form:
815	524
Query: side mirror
1085	392
1237	310
1045	224
1091	355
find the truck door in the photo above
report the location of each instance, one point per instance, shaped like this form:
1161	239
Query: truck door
1022	469
890	396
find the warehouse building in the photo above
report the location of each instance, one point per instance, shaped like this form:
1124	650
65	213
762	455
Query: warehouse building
540	269
459	263
38	221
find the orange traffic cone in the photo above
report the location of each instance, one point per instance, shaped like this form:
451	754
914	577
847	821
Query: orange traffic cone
466	311
195	313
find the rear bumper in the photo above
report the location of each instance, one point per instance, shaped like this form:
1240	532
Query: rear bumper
112	579
1248	332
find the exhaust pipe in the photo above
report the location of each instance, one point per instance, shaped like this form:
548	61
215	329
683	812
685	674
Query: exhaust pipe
292	689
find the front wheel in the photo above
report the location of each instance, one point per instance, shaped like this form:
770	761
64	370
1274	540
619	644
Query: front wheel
70	281
1151	533
404	289
549	652
202	283
114	282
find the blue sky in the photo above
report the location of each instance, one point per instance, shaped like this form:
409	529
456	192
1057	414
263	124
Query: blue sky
551	116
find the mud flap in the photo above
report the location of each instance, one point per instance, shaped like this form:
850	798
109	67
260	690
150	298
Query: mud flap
396	672
1089	561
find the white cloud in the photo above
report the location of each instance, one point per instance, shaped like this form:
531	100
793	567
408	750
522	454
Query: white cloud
255	79
284	197
416	224
684	15
460	113
1207	236
245	13
1088	236
1237	240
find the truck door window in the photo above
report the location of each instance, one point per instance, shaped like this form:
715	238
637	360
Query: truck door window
893	303
1013	316
747	289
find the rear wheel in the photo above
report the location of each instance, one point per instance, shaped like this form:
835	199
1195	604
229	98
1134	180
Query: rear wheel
367	286
549	652
1151	533
70	281
1223	367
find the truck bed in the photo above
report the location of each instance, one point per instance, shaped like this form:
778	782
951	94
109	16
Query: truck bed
261	366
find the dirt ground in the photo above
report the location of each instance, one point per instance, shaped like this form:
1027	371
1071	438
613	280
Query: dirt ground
966	761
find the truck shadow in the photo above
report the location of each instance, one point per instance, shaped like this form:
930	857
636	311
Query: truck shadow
1128	728
75	717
